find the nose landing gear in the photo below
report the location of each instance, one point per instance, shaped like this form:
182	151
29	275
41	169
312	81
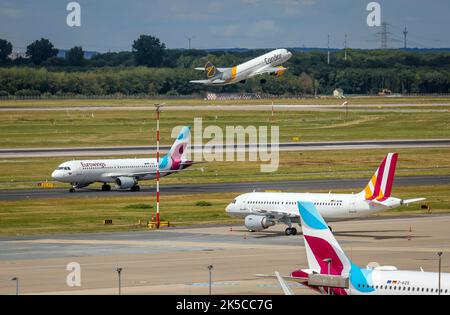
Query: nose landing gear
106	187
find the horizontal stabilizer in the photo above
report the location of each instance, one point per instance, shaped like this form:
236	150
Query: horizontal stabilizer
408	201
283	284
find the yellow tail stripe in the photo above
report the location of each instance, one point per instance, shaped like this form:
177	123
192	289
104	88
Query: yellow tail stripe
233	72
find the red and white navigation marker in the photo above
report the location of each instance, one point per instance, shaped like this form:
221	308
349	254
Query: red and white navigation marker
158	110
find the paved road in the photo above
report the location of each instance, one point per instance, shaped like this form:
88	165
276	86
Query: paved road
173	261
301	185
413	107
287	146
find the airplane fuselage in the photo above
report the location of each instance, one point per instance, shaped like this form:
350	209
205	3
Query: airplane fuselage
266	63
333	207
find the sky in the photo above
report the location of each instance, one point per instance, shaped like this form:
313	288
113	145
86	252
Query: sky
113	25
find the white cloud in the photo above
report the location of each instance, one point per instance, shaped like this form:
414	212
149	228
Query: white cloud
263	28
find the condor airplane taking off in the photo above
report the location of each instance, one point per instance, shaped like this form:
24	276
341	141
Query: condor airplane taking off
264	209
124	172
269	63
332	272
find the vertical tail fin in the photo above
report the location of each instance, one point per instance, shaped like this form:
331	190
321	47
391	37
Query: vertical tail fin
178	149
210	69
177	152
380	185
322	249
324	253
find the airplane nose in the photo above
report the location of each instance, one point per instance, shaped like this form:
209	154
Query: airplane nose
56	175
228	208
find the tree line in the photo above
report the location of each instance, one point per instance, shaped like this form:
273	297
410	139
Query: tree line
152	69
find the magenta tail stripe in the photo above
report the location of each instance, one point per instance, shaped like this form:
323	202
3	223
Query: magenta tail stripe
376	190
390	180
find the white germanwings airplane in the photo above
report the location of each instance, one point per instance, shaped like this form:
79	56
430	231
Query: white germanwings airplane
264	209
269	63
124	172
330	271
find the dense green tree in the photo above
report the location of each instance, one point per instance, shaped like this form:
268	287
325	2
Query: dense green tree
148	51
41	50
75	56
5	50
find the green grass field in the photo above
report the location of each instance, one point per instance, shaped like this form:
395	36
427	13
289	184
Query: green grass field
15	173
113	128
86	215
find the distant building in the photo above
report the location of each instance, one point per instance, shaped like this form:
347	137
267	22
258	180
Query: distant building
17	54
338	93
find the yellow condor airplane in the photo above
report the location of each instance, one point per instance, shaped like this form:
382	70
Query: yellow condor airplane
269	63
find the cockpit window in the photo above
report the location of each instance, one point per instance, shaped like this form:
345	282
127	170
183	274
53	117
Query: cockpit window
234	201
63	168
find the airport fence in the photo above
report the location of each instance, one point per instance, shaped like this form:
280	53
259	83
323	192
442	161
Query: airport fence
206	96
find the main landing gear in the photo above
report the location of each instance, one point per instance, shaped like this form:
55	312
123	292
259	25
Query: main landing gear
290	231
135	188
72	190
106	187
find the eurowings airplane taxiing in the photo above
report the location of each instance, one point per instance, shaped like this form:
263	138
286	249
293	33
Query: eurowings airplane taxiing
124	172
330	271
264	209
269	63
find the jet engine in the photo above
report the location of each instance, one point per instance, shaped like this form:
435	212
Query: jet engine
279	72
257	222
125	182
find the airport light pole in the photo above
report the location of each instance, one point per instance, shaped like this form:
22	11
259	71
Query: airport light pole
439	280
158	111
210	267
17	284
328	261
119	271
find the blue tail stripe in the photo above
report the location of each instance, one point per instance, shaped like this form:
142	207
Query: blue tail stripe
311	216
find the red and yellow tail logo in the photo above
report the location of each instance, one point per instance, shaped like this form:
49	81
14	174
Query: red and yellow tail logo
380	185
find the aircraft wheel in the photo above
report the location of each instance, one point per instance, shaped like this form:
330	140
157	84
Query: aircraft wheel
72	190
294	231
106	187
135	188
288	231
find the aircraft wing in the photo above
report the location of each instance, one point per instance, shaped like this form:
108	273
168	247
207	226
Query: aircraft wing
268	70
275	213
285	278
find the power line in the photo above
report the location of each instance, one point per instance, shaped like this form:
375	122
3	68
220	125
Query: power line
405	33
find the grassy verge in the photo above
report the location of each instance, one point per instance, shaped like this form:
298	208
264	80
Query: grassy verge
87	215
114	128
27	172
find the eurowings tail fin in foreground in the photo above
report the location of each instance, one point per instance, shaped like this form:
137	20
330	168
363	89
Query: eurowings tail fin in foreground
323	252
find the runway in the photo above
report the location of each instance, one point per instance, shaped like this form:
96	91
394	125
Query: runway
238	187
173	261
286	146
390	107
